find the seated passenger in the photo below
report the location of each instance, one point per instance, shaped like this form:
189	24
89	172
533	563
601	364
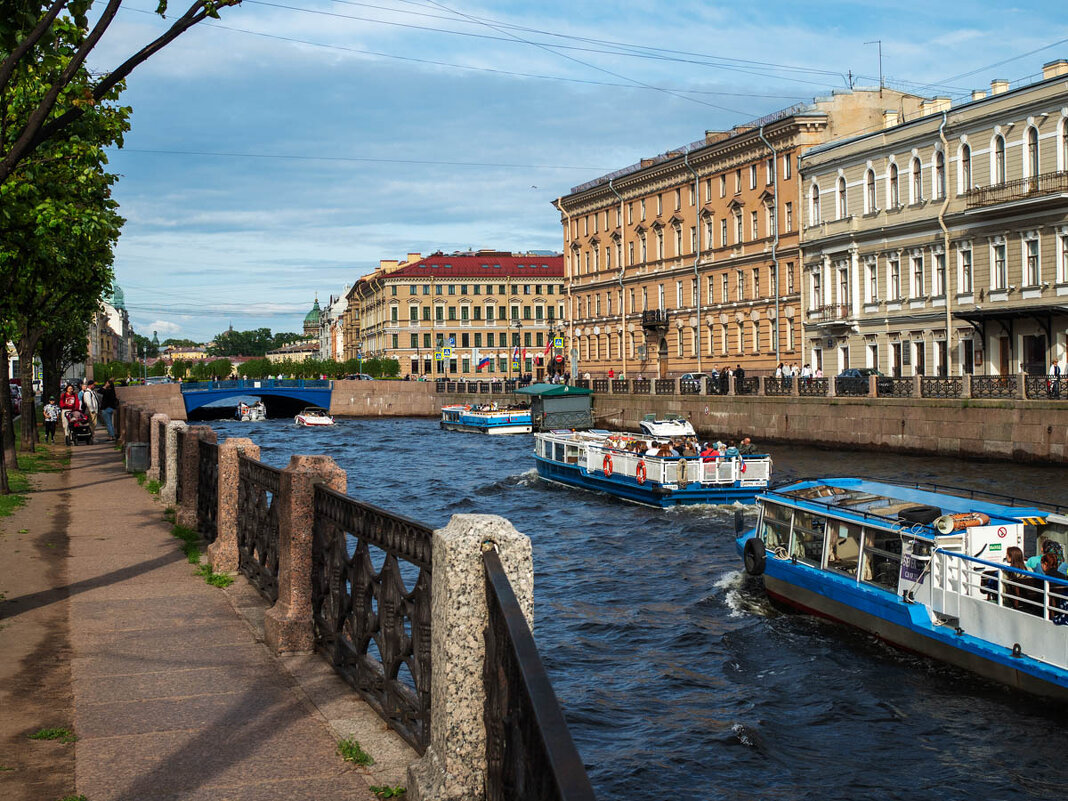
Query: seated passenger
1058	593
666	451
1047	546
708	453
1014	585
746	447
653	450
732	451
688	450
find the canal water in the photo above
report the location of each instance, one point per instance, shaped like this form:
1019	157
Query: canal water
677	678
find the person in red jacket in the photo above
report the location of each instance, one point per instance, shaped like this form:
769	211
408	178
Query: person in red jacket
68	402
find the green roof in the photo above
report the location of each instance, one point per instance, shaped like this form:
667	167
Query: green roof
552	390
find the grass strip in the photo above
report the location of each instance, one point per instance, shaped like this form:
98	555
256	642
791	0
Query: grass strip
351	751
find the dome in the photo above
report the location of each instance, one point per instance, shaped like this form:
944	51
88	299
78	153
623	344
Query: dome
313	315
117	299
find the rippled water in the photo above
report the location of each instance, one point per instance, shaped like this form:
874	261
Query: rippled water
677	678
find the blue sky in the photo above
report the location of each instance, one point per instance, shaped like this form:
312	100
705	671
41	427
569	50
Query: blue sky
283	150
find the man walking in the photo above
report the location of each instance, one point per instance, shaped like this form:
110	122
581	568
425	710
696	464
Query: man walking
109	402
91	403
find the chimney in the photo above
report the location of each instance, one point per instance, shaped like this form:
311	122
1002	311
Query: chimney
978	94
940	104
926	108
414	257
647	163
890	118
387	264
999	86
1055	68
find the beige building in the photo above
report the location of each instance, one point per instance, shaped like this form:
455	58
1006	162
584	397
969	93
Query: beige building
955	220
295	352
445	314
689	260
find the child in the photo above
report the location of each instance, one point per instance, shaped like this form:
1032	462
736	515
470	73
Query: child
51	414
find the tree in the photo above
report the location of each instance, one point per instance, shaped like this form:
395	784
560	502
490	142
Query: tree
179	368
181	343
146	346
241	343
28	39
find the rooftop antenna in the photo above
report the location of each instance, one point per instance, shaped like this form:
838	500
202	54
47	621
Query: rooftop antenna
880	43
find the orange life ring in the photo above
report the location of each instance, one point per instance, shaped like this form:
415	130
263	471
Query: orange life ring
607	465
639	472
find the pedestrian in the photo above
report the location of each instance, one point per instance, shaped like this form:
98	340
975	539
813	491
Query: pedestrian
611	373
68	402
109	402
91	403
1054	380
51	414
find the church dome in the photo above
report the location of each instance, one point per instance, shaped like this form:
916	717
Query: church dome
117	299
313	315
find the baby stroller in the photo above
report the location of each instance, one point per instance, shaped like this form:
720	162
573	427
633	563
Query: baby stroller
78	428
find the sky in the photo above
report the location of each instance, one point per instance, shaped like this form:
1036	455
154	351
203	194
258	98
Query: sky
278	153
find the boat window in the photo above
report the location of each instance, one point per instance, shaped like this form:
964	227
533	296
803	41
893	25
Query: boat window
882	558
843	553
775	527
558	451
808	538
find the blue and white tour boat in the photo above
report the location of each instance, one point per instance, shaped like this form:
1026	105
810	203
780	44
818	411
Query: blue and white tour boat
619	464
486	418
934	570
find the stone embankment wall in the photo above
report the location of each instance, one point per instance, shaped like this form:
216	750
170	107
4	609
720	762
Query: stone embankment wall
386	399
160	398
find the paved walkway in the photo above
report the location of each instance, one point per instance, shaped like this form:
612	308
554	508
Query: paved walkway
174	694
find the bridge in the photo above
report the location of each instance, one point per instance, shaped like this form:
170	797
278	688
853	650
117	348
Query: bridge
297	391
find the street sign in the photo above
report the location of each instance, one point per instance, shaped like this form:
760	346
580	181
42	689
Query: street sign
446	353
558	342
437	355
559	359
515	365
452	342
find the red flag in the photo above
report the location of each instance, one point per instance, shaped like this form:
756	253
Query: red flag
524	354
548	345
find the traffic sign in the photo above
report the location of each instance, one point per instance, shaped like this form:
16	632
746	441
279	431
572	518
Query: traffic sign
437	355
446	353
559	359
558	342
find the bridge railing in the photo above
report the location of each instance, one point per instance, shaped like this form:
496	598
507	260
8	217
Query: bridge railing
261	383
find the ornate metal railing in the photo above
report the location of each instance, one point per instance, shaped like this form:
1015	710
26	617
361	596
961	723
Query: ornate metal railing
259	383
654	318
582	383
257	525
621	385
640	386
664	386
161	438
529	750
1043	184
690	386
208	490
1046	387
778	386
942	387
179	447
748	385
813	387
358	609
894	387
991	386
600	385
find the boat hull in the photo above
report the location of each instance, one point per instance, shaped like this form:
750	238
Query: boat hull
650	494
488	428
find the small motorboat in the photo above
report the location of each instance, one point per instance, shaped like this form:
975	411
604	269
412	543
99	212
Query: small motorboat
251	412
666	427
314	416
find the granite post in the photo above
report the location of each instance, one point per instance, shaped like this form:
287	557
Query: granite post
190	467
157	427
454	765
222	554
144	426
288	624
168	493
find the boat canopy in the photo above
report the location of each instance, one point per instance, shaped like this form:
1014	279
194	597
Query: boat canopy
552	390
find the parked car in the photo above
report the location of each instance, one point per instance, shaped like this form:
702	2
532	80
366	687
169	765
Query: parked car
854	381
359	377
693	380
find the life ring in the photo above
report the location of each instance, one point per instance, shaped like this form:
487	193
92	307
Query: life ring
639	471
607	465
754	556
682	471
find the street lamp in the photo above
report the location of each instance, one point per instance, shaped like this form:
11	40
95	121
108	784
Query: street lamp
516	347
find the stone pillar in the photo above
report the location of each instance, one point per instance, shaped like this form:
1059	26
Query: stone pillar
873	386
157	427
966	385
678	389
703	386
288	624
917	386
760	386
222	554
454	765
730	384
795	386
190	467
144	426
832	387
1021	386
168	493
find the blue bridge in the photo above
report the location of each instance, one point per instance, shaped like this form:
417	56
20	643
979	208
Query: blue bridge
297	392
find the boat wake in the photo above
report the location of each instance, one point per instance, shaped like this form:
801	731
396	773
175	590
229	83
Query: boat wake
528	478
733	588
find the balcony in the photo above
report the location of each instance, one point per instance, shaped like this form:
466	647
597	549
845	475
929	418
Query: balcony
835	318
1050	183
656	319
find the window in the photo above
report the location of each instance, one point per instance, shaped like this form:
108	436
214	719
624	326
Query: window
413	341
478	312
998	166
965	263
893	281
678	295
769	170
814	205
917	277
465	312
739	234
643	246
723	295
1032	274
426	312
678	240
869	193
817	289
754	225
723	186
787	167
756	282
723	233
740	285
737	181
659	204
641	209
426	340
478	289
939	288
841	211
465	340
843	288
789	278
872	284
463	289
489	339
395	341
965	168
439	313
789	217
678	199
1063	277
393	290
895	188
660	244
426	289
452	312
752	176
808	536
452	289
940	175
843	555
916	194
999	275
413	314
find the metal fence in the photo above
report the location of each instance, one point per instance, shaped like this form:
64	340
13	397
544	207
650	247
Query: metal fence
664	386
984	386
690	386
748	385
813	387
529	750
640	386
1041	387
621	385
582	383
372	626
600	385
778	386
257	525
941	387
208	490
894	387
179	447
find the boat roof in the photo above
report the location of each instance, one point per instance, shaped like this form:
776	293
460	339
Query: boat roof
865	497
552	390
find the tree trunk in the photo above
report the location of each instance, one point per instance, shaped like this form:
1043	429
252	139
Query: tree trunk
27	345
7	420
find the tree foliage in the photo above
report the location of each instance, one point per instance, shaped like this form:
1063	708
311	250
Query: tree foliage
146	346
255	342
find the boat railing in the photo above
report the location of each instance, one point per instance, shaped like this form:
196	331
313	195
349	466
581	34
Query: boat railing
996	602
680	469
974	494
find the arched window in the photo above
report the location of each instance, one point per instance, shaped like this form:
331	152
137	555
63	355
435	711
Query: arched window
843	208
917	181
895	187
814	204
869	193
940	175
965	168
999	161
1032	154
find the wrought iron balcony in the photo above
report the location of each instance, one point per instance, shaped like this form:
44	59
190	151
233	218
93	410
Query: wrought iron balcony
836	312
655	318
1045	184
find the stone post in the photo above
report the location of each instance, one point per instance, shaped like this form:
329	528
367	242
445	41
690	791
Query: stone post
222	554
144	426
1021	386
190	467
795	386
454	765
917	386
702	388
288	624
966	386
730	384
760	386
678	389
168	493
832	387
873	386
157	427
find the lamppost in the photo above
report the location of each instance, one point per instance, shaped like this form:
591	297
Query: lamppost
516	349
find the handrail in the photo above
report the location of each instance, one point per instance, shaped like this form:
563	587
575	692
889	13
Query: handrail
1006	568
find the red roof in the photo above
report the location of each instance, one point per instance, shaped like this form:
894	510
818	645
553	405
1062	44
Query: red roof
486	265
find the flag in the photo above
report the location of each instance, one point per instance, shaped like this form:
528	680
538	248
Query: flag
524	354
548	345
483	363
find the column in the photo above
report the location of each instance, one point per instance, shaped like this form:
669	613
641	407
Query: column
222	554
168	493
156	427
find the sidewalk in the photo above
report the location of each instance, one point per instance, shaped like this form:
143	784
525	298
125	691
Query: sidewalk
174	694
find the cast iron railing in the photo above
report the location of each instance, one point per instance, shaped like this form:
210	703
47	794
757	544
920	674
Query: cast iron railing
366	619
600	385
1044	184
749	385
992	386
1046	387
257	525
941	387
894	387
690	386
664	386
258	383
582	383
778	386
813	387
655	318
621	385
179	447
161	438
529	751
641	386
208	490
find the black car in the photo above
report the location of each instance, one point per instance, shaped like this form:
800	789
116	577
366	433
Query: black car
854	381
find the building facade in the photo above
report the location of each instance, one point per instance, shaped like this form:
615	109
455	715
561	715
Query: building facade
690	260
110	337
444	315
939	245
332	327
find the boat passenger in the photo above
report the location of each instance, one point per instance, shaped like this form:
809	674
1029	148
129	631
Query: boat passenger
1016	587
1045	546
732	451
746	447
688	450
1058	593
708	453
653	449
666	451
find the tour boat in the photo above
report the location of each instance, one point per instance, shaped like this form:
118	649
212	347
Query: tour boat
314	416
253	412
486	419
667	427
605	461
924	568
